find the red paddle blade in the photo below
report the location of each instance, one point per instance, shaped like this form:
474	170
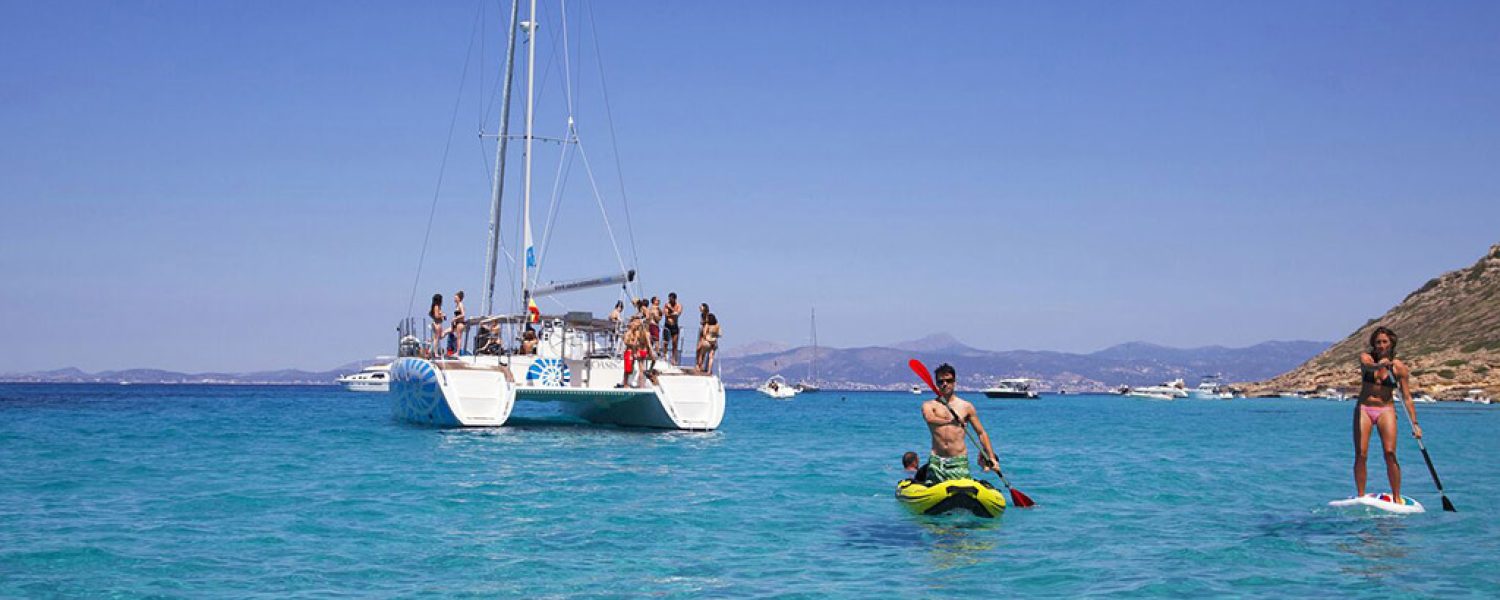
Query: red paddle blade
921	371
1020	500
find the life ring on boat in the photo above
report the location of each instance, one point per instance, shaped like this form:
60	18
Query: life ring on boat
548	372
973	495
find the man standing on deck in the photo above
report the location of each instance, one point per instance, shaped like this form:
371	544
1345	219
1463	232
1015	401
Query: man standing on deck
946	416
671	338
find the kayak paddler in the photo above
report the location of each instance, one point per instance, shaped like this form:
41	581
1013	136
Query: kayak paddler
946	416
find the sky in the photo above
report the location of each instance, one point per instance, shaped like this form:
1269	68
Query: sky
238	186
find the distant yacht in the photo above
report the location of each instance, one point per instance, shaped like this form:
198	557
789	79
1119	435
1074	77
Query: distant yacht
916	389
374	378
1476	396
810	385
1018	387
1166	391
776	387
1423	398
1210	389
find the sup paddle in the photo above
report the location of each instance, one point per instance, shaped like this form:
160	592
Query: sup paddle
1447	504
1017	498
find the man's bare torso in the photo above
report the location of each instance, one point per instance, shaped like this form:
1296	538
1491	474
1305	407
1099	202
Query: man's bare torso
947	432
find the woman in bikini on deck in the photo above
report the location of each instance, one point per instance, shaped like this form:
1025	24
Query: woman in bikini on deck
436	314
1381	376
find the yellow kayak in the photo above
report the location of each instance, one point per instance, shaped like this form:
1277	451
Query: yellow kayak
975	496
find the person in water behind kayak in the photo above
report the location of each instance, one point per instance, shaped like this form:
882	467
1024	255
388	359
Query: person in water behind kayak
946	416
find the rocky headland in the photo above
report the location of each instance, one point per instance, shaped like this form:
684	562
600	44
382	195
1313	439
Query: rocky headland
1449	332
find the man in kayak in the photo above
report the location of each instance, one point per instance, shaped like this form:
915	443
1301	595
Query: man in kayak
916	471
946	417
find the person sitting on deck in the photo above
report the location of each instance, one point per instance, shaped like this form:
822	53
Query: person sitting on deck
487	339
529	341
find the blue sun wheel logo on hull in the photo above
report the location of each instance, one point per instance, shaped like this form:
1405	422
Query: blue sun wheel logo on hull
549	372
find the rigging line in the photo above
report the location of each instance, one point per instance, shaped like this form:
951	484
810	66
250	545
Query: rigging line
567	67
559	183
443	166
609	119
600	200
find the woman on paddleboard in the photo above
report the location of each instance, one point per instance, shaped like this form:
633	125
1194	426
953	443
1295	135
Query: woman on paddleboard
1381	376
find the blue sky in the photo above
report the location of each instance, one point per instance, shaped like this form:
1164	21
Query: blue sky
246	185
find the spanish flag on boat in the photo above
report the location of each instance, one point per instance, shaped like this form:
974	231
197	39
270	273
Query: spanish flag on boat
536	314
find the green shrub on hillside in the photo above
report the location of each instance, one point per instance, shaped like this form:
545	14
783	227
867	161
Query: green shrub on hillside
1431	283
1446	373
1455	363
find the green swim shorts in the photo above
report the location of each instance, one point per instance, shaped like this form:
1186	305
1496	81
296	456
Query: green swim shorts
943	468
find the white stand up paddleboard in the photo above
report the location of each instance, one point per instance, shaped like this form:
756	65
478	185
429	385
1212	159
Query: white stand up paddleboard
1381	502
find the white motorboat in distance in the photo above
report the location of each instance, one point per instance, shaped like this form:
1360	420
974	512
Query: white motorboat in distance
1210	389
916	389
1167	391
777	387
1017	387
374	378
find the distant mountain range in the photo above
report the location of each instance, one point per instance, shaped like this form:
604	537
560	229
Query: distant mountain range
1134	363
873	367
280	377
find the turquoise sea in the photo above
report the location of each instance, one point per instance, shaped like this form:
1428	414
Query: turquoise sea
238	491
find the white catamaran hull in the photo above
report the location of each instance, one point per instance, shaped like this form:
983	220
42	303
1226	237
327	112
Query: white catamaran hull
481	392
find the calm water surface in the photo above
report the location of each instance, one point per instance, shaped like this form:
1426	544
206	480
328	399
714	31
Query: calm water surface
205	491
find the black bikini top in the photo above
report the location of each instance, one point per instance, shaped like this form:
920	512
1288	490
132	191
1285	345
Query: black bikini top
1390	377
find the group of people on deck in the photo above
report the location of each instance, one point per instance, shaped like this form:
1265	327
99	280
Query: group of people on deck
655	330
448	333
1382	375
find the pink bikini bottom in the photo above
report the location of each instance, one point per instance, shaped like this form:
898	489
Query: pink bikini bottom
1374	412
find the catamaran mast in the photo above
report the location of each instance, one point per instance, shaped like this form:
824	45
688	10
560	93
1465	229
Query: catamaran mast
530	253
492	255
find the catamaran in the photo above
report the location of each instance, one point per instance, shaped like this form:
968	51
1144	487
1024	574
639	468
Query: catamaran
576	360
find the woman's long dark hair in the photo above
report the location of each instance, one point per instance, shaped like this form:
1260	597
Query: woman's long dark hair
437	301
1388	333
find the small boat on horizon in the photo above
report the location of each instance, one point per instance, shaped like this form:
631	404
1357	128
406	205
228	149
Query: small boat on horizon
777	387
1015	387
374	378
1166	391
1210	388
